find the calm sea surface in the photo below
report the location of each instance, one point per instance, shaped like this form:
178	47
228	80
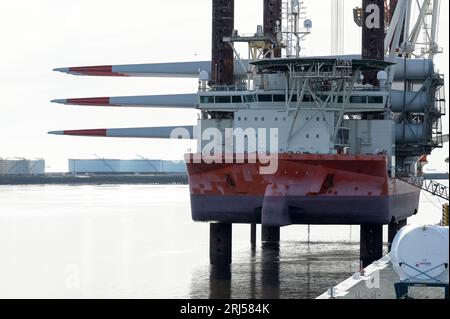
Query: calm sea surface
140	242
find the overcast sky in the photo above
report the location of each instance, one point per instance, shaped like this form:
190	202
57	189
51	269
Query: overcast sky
39	35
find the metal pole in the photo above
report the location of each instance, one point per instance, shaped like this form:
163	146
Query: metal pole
220	243
222	63
270	235
371	245
393	229
253	236
272	14
373	36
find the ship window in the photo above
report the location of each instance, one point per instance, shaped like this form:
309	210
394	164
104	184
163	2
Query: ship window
307	118
307	98
239	118
340	99
256	119
376	99
265	98
223	99
276	119
318	119
237	99
262	119
307	135
206	99
250	98
245	119
284	119
294	98
279	98
317	135
358	99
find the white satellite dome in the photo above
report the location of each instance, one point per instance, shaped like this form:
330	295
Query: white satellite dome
307	24
424	249
382	76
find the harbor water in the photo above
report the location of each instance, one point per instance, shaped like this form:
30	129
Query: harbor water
138	241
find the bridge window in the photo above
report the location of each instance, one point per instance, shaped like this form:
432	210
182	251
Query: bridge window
376	99
206	99
340	99
265	98
223	99
279	98
358	99
307	98
250	98
294	98
236	99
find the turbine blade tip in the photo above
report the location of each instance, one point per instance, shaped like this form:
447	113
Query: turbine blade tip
59	101
56	132
64	70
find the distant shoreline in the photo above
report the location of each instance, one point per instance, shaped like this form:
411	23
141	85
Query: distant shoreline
118	179
94	179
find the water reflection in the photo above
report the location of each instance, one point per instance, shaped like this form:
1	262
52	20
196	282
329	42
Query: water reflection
62	242
220	282
292	270
270	272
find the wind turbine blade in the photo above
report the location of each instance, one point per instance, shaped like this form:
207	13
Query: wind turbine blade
165	132
188	101
171	70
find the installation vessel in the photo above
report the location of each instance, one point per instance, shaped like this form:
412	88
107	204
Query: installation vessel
287	139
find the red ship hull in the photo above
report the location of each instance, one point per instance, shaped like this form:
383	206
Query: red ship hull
306	189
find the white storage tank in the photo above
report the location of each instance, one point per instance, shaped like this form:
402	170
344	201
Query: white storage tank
421	252
36	167
99	166
22	166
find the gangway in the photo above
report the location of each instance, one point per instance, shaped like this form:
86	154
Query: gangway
430	186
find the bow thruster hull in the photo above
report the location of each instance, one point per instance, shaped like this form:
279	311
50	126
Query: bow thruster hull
305	189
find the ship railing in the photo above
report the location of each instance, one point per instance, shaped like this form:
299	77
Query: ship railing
324	75
228	88
368	89
327	87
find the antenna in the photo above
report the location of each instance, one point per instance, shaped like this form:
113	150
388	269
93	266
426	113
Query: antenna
293	31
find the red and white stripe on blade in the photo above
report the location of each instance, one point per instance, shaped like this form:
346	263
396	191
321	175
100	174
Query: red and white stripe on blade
188	101
165	132
176	69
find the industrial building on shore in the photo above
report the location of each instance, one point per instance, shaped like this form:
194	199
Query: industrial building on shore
94	171
117	166
22	166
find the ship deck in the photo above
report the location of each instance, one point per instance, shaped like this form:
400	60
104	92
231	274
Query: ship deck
378	283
